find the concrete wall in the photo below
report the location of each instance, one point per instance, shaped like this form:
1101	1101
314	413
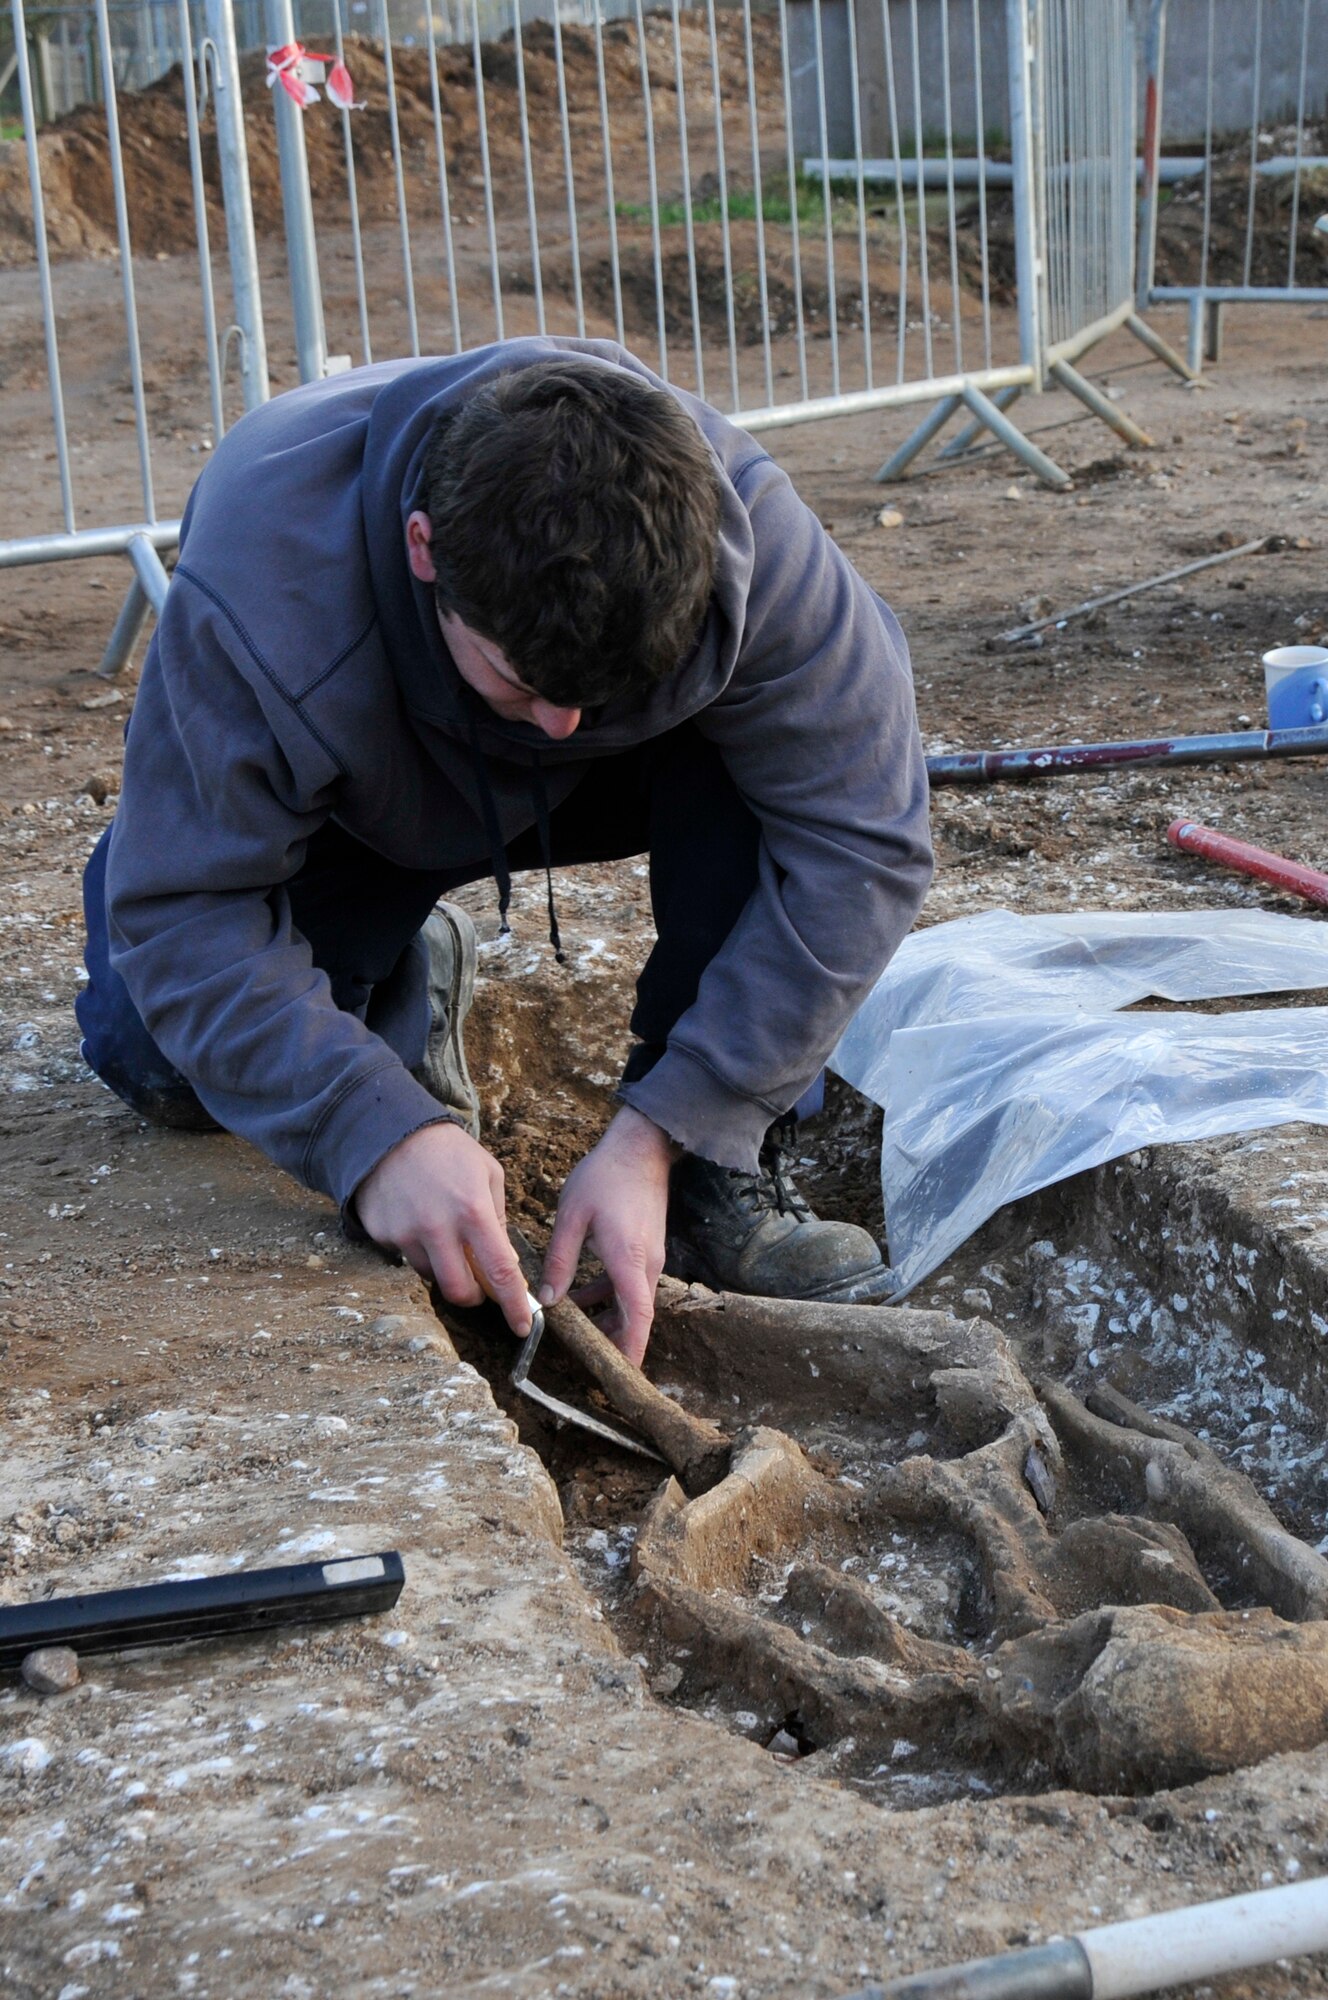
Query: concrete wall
1185	78
872	74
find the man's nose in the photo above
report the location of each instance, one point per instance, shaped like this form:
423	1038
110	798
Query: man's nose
555	722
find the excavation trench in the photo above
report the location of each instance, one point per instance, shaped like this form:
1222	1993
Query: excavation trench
1058	1530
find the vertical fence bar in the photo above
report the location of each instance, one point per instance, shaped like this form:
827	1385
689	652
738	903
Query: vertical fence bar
1300	141
680	86
53	375
527	165
1208	161
896	160
980	102
1023	148
864	267
298	209
490	221
564	120
758	192
652	170
399	178
201	221
611	205
1256	95
126	262
444	191
947	119
721	167
799	317
353	198
924	267
827	198
237	200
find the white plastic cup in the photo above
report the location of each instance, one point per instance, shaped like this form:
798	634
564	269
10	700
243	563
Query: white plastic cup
1284	660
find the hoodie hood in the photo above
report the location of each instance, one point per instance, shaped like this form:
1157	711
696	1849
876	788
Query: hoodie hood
432	691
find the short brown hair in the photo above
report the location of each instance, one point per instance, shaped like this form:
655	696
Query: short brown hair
575	523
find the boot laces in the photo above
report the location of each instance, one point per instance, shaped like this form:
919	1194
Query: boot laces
770	1187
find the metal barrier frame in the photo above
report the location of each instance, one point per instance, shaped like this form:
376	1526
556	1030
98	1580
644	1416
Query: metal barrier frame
1205	301
984	393
145	541
1030	65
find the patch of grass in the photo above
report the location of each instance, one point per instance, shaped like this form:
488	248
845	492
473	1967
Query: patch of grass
776	204
11	128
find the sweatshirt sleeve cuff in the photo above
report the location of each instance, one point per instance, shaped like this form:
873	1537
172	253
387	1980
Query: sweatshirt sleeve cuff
360	1128
700	1112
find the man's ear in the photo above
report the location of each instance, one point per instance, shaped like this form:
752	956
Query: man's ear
419	534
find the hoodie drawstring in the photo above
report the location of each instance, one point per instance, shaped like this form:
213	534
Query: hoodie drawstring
494	835
539	795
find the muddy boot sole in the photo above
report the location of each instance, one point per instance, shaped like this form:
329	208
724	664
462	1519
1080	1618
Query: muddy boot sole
871	1287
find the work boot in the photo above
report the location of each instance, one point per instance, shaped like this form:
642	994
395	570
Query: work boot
449	939
754	1233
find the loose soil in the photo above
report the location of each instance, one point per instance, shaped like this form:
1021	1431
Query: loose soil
517	1780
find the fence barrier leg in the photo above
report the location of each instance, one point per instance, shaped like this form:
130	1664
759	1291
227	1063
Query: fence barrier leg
126	632
964	440
150	571
1163	349
1194	332
1212	329
931	425
146	594
1009	434
1092	398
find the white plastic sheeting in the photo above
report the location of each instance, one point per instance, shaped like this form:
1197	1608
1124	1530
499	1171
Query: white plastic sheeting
995	1048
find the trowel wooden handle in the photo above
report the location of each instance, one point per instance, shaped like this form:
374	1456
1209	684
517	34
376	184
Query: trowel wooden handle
697	1450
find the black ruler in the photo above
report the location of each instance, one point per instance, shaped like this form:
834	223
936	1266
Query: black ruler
203	1607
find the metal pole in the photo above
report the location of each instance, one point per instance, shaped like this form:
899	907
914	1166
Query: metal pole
1155	41
1027	228
1009	434
298	208
233	158
44	268
1093	399
1293	878
126	632
1054	760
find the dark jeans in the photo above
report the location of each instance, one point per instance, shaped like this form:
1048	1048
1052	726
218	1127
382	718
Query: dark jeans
671	799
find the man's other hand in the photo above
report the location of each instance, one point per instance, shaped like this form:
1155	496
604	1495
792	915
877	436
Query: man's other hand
438	1199
617	1201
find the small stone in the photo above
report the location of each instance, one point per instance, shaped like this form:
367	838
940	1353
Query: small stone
110	699
976	1298
29	1756
781	1744
668	1680
889	517
51	1670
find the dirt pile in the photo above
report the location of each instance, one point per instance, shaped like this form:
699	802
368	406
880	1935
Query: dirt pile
76	174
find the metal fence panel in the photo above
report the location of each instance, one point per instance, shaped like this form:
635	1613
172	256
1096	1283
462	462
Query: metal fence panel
1244	229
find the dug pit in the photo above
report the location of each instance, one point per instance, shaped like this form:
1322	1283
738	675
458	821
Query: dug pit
1053	1528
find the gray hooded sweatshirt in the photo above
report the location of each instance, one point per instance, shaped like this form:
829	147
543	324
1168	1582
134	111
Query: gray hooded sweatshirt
298	674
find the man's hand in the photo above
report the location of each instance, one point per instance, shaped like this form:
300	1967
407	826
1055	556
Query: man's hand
617	1200
438	1199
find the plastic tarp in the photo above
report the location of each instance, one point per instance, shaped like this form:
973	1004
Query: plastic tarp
996	1048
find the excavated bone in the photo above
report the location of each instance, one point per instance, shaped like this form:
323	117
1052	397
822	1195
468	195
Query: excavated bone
780	1355
1139	1699
1185	1482
771	1498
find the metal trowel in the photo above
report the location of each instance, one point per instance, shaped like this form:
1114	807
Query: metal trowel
566	1412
